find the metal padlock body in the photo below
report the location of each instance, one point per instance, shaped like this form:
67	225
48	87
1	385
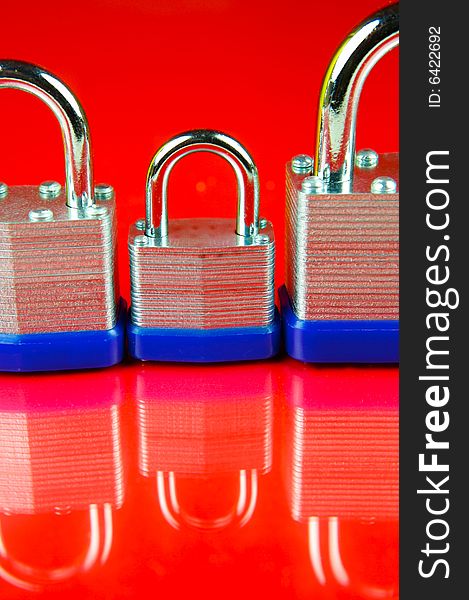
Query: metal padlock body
202	289
341	298
202	251
59	304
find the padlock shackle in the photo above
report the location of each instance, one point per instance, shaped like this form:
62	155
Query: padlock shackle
202	140
60	99
341	89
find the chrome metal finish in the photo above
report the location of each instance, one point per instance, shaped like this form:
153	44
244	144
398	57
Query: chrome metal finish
340	94
56	272
261	239
3	190
41	214
57	247
343	249
202	273
383	185
312	185
202	140
59	98
140	224
103	191
366	159
302	163
342	240
201	277
49	189
96	211
141	240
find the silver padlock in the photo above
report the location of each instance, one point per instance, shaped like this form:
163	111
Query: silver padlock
202	289
59	304
341	300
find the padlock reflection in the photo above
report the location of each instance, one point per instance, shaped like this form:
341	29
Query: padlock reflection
342	460
61	475
205	434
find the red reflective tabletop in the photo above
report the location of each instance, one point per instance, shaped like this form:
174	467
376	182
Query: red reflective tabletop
270	479
246	481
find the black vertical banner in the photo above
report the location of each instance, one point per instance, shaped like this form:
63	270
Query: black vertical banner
434	201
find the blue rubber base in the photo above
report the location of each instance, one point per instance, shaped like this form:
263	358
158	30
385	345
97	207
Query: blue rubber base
64	350
204	345
338	341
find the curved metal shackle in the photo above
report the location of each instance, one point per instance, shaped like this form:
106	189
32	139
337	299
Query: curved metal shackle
60	99
202	140
341	88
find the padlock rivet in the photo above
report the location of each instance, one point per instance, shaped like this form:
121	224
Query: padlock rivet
140	224
49	189
103	191
383	185
262	239
302	163
141	240
366	159
3	190
96	211
312	185
41	214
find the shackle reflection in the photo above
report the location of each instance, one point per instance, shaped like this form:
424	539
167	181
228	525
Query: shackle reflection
341	454
203	424
60	458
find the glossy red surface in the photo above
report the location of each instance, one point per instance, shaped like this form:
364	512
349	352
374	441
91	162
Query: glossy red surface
274	479
145	70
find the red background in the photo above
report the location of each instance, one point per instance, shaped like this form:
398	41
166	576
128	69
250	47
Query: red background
145	70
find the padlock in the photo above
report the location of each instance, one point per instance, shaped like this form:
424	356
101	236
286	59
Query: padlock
59	304
199	424
61	461
341	299
202	289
